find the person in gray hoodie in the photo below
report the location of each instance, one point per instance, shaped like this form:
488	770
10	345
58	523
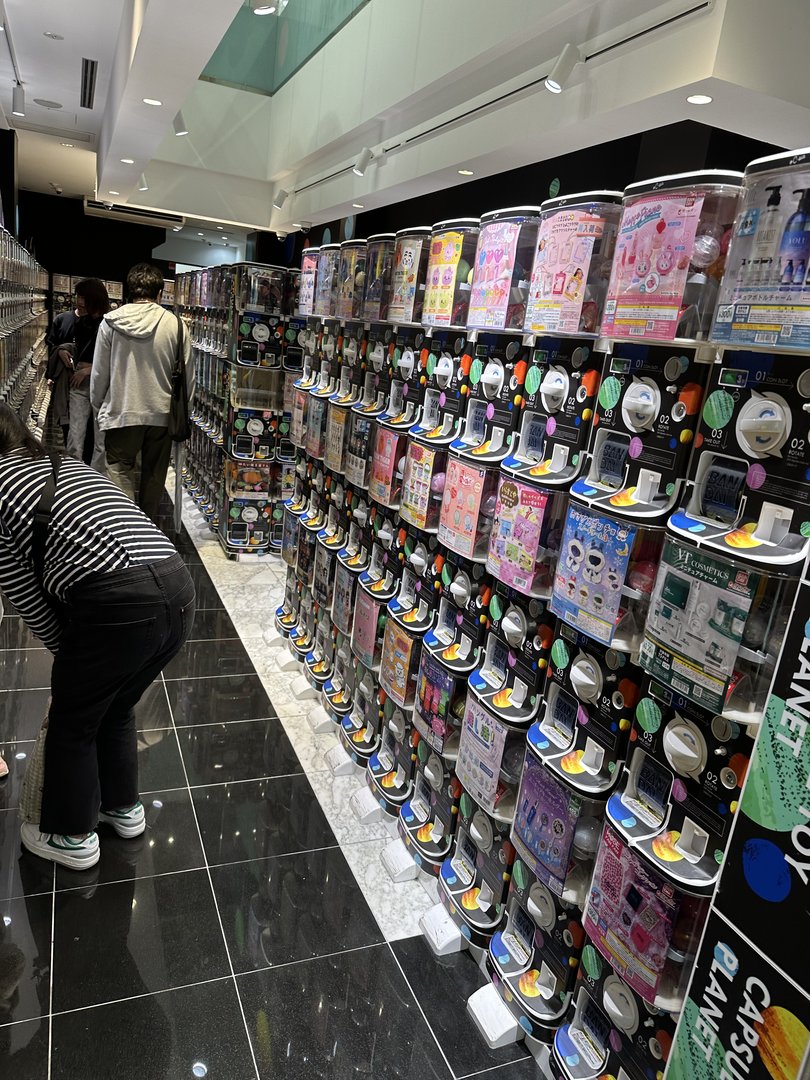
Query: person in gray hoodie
130	387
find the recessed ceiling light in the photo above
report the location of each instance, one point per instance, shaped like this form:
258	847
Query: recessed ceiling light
221	228
699	99
200	234
54	37
465	172
127	161
177	228
357	205
70	144
113	192
224	237
151	101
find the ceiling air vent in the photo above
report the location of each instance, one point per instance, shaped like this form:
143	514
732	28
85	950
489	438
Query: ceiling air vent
89	73
159	219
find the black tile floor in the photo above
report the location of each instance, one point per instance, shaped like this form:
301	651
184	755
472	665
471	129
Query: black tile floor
232	939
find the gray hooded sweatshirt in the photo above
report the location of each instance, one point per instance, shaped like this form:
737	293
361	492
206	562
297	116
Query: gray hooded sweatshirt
130	383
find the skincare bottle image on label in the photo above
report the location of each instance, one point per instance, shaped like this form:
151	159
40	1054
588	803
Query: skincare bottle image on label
795	245
766	238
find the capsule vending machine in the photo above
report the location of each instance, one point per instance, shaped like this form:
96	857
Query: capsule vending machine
450	649
375	375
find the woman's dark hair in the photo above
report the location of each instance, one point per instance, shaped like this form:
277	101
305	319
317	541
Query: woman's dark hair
15	435
94	293
144	282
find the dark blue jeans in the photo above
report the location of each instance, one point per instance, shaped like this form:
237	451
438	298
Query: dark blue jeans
120	631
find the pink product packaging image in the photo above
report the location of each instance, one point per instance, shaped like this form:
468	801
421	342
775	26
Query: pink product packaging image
516	531
492	281
640	922
364	630
382	485
435	690
461	505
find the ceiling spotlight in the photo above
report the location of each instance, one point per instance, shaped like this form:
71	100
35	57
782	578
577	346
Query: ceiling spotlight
566	62
259	7
200	234
113	192
127	161
221	228
362	163
357	205
151	101
466	172
180	127
700	99
142	184
280	198
18	100
70	144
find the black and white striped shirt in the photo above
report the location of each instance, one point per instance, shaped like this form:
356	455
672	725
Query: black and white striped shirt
94	529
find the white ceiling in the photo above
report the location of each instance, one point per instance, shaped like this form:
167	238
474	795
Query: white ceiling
446	59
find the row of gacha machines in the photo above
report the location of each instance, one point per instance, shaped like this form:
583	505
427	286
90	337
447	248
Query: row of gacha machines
23	326
542	554
239	462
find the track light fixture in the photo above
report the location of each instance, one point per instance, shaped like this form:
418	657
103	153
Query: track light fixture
142	184
180	127
280	198
362	163
18	100
565	64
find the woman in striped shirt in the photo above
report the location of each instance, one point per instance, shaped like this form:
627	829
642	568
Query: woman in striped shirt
114	604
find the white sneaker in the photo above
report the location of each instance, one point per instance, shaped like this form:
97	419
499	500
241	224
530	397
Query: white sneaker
77	854
127	823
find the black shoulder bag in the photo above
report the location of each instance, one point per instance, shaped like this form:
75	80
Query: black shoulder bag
42	518
179	422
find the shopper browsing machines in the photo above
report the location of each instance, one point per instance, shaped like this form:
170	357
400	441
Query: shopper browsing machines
108	594
131	387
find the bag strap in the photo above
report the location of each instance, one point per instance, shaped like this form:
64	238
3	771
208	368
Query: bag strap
179	355
42	516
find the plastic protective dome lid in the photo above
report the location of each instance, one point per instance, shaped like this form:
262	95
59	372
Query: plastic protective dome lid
416	230
328	247
701	178
456	223
510	212
786	159
353	244
310	251
580	198
382	236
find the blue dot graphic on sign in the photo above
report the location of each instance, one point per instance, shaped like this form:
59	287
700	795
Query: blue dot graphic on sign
766	871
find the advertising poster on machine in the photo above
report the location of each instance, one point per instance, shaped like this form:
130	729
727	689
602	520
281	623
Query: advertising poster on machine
383	465
492	280
765	888
651	265
593	564
416	484
445	252
364	630
306	294
434	696
480	753
696	622
395	668
742	1019
404	279
561	271
461	503
545	823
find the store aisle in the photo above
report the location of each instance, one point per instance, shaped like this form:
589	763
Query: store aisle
234	939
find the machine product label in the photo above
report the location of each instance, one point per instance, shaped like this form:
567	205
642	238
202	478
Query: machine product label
335	437
593	564
343	598
383	465
515	539
545	823
364	631
395	666
461	503
405	278
445	252
650	267
480	753
562	267
306	293
492	280
416	484
434	697
695	624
